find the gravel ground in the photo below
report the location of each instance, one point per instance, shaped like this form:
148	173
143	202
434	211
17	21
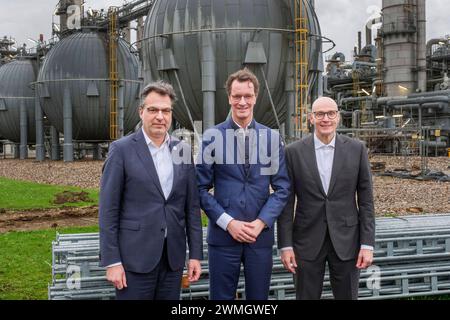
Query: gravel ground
83	174
392	195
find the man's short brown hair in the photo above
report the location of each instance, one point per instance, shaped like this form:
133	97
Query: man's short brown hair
162	87
243	75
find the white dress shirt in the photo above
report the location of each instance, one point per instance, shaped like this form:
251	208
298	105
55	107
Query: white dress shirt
162	159
324	159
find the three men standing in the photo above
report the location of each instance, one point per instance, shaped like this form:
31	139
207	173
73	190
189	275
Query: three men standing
334	217
149	204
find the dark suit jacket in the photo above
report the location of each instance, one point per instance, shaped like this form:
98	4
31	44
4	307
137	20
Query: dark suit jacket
133	213
347	211
245	197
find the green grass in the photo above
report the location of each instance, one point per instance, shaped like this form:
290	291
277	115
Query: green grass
25	262
24	195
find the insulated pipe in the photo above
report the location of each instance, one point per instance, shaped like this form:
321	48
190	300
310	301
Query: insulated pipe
40	151
438	144
325	85
23	131
339	55
359	42
55	143
430	94
68	133
362	63
208	65
368	36
435	105
430	105
353	99
432	42
421	46
419	100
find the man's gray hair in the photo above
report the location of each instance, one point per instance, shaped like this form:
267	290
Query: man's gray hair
161	87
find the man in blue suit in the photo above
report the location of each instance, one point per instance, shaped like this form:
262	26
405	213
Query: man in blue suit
149	204
241	159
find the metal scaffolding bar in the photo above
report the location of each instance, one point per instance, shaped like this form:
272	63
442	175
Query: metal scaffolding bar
301	69
113	34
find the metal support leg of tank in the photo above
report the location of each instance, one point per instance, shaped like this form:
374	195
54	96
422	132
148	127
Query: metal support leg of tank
121	110
289	124
68	133
290	97
16	151
97	152
196	135
55	144
208	81
23	131
271	100
40	151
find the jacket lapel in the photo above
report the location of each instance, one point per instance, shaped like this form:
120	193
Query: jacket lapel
146	159
310	157
339	153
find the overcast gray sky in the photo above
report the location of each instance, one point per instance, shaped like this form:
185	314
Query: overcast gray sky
340	20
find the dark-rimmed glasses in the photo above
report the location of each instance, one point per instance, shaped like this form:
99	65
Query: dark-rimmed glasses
321	115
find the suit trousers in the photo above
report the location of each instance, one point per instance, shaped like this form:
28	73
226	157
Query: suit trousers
225	267
160	284
309	277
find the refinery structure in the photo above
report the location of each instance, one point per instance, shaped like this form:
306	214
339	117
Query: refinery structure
73	94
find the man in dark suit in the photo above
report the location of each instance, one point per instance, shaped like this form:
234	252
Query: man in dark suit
148	206
241	160
334	217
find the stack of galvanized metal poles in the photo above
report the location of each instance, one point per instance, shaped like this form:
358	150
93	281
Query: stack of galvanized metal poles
412	258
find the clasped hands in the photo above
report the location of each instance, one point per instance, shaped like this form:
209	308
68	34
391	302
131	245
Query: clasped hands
245	232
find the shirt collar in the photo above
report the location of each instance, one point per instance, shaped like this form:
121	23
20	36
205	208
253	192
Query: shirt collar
149	141
236	126
319	144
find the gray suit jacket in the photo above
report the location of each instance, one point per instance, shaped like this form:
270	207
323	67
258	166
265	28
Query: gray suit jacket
134	214
347	211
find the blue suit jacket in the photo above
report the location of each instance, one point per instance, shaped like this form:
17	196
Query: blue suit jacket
245	197
133	213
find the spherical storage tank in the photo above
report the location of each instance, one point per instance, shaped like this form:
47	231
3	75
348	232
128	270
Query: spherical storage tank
15	90
203	42
80	62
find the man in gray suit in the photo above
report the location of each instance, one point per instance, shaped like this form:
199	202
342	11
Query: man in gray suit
149	204
334	217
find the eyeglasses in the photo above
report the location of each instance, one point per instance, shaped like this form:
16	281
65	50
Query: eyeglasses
321	115
238	97
155	111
